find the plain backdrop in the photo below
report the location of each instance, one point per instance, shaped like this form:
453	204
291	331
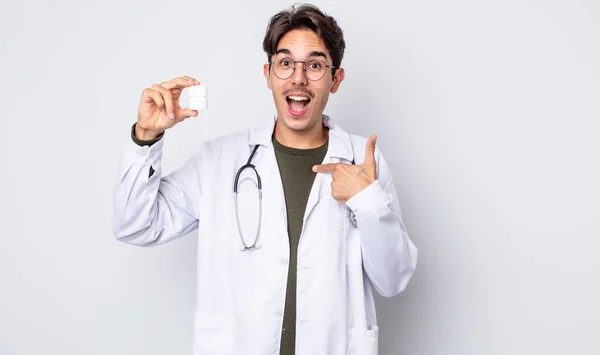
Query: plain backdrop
487	111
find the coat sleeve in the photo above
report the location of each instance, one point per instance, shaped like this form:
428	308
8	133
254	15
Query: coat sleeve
149	209
389	256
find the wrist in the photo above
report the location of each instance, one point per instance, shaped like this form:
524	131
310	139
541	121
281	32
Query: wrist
144	137
145	134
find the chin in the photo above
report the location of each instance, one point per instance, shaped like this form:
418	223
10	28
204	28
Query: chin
298	124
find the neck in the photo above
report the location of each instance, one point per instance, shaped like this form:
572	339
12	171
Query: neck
312	138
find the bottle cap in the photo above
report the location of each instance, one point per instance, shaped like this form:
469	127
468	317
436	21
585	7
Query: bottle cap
197	90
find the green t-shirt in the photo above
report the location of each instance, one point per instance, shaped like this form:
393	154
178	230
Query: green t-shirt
295	168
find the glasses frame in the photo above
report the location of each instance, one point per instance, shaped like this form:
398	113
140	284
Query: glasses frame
303	68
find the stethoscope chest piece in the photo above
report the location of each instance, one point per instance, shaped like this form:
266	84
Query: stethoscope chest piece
353	218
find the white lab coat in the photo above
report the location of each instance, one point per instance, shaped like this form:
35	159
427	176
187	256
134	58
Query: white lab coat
241	294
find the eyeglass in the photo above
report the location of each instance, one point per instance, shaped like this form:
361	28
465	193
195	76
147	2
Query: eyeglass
283	68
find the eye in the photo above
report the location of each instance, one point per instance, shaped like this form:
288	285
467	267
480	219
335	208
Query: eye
314	65
285	63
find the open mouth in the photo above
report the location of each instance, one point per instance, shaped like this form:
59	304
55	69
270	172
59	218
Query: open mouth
297	105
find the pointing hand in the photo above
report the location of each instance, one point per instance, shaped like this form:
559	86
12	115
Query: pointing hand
348	180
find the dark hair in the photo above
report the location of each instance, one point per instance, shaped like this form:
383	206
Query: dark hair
308	17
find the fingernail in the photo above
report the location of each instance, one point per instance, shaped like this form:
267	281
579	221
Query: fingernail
171	115
315	168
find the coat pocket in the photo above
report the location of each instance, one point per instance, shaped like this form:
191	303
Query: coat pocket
212	335
363	342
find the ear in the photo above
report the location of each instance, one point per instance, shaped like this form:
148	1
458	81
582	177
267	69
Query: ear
267	75
337	80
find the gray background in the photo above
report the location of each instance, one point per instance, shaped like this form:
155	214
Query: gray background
487	110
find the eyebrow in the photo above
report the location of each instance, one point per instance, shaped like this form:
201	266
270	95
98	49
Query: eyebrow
311	54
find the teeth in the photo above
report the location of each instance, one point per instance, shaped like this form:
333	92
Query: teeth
298	98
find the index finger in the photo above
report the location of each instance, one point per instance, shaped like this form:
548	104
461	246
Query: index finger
324	168
180	83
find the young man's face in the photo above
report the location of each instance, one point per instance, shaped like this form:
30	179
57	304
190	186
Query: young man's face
306	114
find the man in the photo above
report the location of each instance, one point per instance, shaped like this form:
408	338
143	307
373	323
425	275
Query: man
293	272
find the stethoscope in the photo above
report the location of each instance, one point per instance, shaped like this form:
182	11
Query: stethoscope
249	165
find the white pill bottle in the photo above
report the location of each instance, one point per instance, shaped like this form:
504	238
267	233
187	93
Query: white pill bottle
198	97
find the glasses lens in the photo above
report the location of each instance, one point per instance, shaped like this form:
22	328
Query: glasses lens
315	69
283	67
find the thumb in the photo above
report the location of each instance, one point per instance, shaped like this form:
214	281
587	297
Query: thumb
370	152
186	113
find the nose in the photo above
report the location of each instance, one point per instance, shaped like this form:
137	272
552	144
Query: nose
299	75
